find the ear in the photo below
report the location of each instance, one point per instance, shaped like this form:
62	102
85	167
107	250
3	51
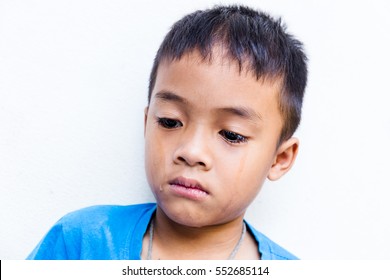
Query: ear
284	158
145	118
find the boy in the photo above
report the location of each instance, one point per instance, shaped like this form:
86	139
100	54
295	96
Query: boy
225	98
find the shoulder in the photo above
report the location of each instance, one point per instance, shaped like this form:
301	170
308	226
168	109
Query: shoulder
96	232
105	214
99	223
269	249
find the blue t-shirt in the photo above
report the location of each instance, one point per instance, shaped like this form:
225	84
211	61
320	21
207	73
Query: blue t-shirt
116	233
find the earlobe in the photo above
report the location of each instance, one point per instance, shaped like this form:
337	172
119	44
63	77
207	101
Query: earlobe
284	158
145	118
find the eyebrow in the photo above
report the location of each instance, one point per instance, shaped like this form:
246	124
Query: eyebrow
170	96
243	112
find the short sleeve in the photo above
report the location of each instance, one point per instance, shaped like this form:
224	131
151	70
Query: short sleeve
51	247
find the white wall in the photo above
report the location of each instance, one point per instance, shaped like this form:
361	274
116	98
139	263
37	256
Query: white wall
73	85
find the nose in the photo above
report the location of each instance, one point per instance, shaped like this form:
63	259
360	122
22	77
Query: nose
193	149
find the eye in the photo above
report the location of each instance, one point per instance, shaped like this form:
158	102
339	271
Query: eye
233	137
169	123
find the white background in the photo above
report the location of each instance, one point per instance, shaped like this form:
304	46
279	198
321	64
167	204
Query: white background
73	86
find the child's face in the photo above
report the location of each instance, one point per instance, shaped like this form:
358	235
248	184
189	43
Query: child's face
211	139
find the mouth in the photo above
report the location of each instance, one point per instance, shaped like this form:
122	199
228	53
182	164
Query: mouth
188	188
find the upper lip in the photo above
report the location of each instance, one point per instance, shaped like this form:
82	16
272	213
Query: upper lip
187	183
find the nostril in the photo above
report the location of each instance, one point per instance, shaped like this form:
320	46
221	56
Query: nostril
181	159
189	162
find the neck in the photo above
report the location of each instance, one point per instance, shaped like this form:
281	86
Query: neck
175	241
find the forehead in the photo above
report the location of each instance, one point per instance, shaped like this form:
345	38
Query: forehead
215	82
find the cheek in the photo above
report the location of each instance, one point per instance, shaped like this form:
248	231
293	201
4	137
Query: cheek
154	160
250	171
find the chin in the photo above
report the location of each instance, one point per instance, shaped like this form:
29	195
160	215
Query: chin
189	218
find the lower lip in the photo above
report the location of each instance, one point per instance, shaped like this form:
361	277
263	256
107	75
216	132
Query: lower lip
190	193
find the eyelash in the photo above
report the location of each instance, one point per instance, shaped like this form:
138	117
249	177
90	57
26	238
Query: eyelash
228	136
169	123
238	138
